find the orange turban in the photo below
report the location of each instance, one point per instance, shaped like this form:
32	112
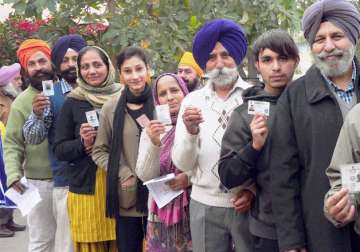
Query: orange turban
31	46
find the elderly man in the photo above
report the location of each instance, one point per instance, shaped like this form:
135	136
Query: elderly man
41	125
32	160
218	219
7	95
190	71
307	123
242	157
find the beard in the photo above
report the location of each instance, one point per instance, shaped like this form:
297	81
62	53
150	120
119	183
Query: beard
223	77
192	84
70	75
337	67
40	76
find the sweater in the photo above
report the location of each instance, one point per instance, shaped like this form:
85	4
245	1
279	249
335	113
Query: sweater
201	152
18	156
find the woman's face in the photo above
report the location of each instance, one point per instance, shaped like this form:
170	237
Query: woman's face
169	92
134	74
92	68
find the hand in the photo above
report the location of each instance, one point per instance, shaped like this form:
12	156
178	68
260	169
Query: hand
181	181
259	131
154	129
129	182
19	187
88	135
242	200
297	250
39	103
192	118
340	208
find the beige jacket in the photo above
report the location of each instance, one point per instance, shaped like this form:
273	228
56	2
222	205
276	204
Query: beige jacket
101	151
347	151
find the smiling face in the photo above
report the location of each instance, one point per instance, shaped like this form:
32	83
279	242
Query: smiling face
134	74
169	92
276	70
93	69
333	50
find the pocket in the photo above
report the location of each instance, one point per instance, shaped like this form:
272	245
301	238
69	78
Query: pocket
127	197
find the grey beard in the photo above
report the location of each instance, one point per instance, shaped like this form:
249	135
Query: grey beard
339	66
223	77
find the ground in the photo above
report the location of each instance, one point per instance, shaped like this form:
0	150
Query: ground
19	242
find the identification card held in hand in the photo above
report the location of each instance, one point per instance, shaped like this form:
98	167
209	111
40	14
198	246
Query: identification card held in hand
258	107
92	118
143	120
350	177
48	87
163	114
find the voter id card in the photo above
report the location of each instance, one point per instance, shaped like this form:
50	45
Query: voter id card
143	120
258	107
163	114
48	87
92	118
350	177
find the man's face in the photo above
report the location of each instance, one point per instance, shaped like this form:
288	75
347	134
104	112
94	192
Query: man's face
221	67
276	70
332	49
189	75
68	66
17	82
39	69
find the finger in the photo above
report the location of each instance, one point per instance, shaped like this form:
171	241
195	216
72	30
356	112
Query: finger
350	215
341	216
335	209
334	199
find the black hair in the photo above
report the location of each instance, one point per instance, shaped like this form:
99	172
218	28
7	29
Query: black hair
129	52
278	41
86	49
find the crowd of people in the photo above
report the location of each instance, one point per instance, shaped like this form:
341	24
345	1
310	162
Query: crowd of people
259	166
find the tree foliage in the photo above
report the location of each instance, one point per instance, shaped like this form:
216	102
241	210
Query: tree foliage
165	28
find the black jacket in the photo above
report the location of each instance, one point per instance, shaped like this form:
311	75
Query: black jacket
81	170
305	131
240	162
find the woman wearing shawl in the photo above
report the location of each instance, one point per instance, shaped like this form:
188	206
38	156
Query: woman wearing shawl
168	227
116	149
74	139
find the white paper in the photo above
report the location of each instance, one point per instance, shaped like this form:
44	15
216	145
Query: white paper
350	177
92	118
163	114
48	87
26	201
258	107
160	191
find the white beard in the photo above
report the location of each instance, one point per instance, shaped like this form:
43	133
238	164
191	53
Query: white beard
338	66
223	77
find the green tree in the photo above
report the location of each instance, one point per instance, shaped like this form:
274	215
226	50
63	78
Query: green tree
165	28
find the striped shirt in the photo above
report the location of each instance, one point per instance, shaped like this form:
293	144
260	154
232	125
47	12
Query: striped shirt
347	94
36	128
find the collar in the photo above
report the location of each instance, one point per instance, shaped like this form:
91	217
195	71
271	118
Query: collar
315	84
239	84
65	86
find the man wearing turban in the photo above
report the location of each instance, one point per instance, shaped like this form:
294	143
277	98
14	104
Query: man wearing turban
31	161
41	125
307	122
218	219
190	71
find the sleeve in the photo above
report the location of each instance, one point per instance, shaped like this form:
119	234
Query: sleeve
67	146
36	128
238	158
14	146
185	149
101	149
346	151
148	161
285	179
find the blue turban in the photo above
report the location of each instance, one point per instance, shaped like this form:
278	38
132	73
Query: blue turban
225	31
341	13
73	41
